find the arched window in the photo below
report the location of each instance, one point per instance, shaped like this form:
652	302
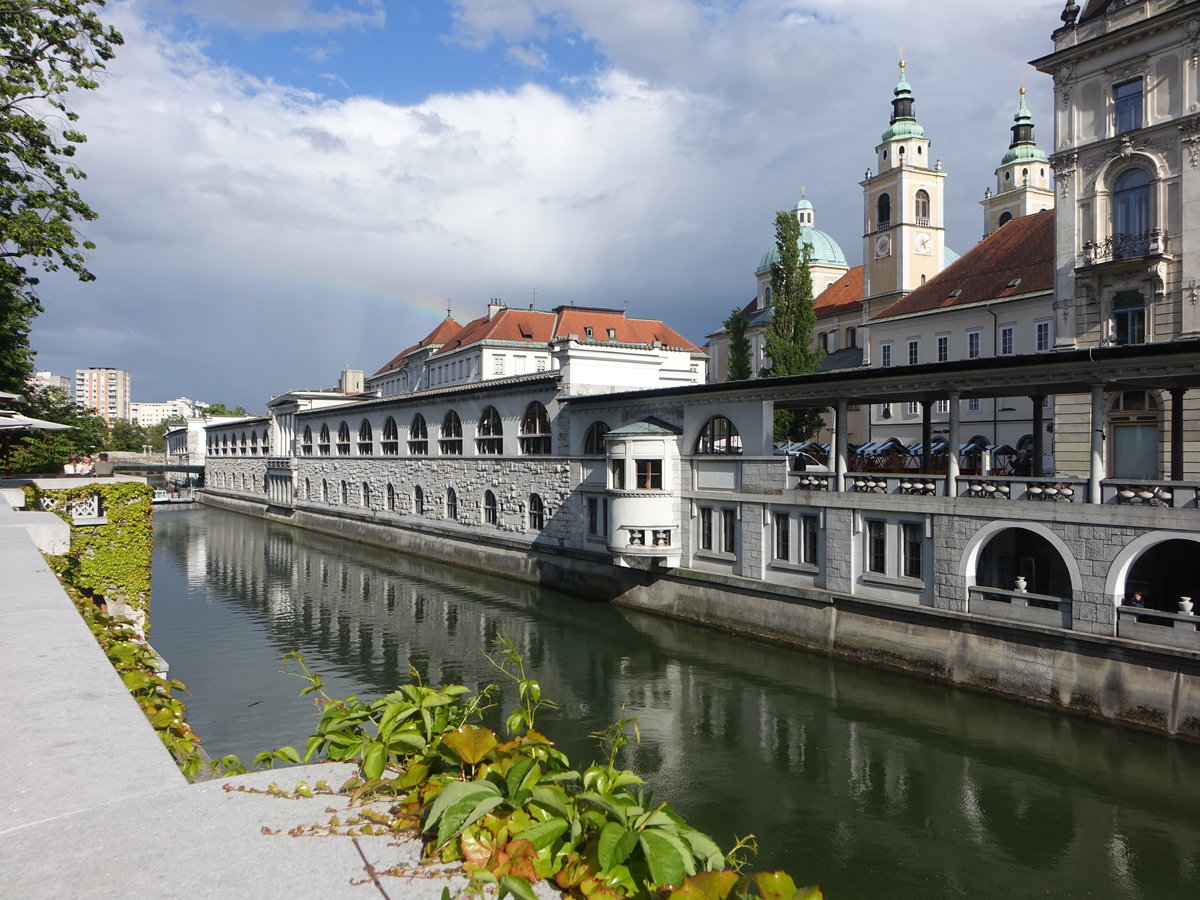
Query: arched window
390	445
489	434
306	442
244	445
922	208
418	436
537	513
593	441
254	443
451	504
366	495
451	440
883	211
225	444
1131	214
343	440
490	514
323	441
345	494
324	491
266	441
391	498
535	430
366	439
718	436
418	500
308	489
1005	218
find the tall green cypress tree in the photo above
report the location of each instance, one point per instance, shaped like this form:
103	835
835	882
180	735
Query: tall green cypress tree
739	347
789	337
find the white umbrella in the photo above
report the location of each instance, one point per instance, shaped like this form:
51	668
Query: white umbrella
11	421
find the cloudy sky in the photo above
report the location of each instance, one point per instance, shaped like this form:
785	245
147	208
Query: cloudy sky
288	188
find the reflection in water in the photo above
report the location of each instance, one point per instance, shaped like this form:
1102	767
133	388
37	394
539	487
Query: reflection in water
867	781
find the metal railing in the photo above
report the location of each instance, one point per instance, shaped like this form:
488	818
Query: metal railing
1124	246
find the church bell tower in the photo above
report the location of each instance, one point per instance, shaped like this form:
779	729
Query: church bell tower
904	227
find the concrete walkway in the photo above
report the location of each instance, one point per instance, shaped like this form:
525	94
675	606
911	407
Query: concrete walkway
92	805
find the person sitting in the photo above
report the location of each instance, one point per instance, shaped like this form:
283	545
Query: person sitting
72	465
103	468
85	465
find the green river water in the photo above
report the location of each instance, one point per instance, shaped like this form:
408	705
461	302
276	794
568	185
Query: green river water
871	783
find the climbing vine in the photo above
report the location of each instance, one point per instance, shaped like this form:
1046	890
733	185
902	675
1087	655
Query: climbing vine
110	557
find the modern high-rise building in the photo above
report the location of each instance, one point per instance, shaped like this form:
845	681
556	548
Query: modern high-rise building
107	391
49	379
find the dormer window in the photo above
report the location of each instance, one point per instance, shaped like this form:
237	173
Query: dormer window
587	331
612	334
1127	104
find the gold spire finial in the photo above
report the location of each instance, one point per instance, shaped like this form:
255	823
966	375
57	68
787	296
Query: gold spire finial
900	51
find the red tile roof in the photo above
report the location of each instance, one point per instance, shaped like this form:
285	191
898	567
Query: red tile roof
1021	251
530	325
445	329
844	295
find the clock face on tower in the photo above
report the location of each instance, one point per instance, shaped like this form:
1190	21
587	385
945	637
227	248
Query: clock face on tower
883	246
923	243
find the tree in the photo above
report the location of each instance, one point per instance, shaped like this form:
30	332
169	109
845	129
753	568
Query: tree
220	409
46	451
126	435
156	435
47	47
789	336
739	347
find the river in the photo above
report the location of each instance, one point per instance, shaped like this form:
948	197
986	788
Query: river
871	783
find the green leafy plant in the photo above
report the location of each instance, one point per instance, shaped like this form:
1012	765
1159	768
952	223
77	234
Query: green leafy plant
514	812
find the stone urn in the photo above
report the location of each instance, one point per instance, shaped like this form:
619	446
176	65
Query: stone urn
1022	584
1185	605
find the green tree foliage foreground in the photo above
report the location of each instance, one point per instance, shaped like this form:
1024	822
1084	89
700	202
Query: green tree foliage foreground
789	337
47	48
739	347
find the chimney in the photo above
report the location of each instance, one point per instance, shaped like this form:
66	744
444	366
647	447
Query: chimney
495	304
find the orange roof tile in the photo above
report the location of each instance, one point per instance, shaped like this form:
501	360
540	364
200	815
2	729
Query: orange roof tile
844	295
1021	251
530	325
578	319
444	330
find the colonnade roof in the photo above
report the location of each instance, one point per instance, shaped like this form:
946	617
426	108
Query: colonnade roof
1166	366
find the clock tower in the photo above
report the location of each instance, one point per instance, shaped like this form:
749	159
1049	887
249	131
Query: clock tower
904	235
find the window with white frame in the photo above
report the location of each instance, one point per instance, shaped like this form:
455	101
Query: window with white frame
783	537
942	407
943	347
877	546
912	409
717	530
913	538
972	404
1041	336
914	352
974	344
1007	342
498	364
885	354
597	517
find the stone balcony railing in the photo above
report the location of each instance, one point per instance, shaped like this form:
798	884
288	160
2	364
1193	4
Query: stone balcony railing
1020	606
1156	627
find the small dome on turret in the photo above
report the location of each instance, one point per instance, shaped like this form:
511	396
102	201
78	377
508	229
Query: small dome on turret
1023	149
903	122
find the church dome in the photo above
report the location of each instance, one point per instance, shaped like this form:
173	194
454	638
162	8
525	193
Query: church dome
825	250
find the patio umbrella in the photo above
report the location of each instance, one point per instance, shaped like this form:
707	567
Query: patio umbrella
10	420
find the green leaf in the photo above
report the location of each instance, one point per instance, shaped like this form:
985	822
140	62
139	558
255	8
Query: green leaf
616	843
663	857
374	760
517	886
543	834
778	886
703	848
552	799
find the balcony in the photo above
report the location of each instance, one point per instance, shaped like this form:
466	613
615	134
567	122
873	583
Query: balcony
1124	246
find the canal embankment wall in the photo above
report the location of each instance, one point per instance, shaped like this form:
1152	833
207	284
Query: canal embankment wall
1129	682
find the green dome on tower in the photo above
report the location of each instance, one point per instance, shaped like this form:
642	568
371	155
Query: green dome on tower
1023	149
904	122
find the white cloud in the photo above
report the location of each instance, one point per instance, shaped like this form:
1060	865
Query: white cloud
256	238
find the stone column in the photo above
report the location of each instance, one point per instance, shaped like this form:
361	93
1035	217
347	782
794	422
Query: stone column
1177	434
841	426
1096	467
926	437
1039	434
952	451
